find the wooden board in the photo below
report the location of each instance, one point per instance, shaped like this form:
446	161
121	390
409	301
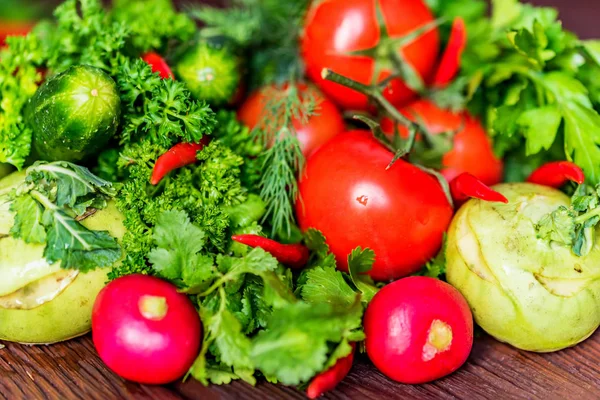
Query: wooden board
494	371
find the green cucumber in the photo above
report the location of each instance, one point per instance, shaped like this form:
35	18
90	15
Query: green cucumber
210	68
74	114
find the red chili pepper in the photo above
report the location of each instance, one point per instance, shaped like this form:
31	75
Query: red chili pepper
450	62
466	186
13	28
329	379
556	174
158	64
291	255
178	156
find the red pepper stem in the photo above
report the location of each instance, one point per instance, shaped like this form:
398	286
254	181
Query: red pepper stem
466	186
450	62
329	379
556	174
291	255
178	156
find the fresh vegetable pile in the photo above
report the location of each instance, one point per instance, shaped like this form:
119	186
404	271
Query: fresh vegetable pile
260	192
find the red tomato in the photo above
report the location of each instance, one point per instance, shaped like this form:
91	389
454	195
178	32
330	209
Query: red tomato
325	124
472	149
418	329
144	330
347	37
348	194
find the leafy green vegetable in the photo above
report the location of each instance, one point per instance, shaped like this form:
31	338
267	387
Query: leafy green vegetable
152	23
159	110
574	226
359	262
177	256
45	207
295	346
19	80
436	267
84	34
529	79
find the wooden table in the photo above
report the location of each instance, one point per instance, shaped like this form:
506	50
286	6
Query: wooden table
494	371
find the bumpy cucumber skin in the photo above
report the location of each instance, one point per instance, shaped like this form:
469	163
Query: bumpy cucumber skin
74	114
211	71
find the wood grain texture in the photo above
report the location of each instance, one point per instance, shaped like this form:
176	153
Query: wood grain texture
494	370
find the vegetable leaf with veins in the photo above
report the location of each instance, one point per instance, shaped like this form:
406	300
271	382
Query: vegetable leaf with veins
177	257
45	207
574	226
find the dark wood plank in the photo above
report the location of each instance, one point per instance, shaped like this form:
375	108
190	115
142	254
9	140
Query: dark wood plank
494	370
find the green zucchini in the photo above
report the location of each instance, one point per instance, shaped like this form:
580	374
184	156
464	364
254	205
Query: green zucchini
74	114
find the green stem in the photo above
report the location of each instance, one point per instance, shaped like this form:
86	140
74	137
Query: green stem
43	200
588	215
374	92
220	282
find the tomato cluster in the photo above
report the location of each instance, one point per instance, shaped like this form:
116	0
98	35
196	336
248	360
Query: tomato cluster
352	192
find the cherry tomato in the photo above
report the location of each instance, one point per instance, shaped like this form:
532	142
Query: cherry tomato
418	329
325	124
471	147
355	38
347	193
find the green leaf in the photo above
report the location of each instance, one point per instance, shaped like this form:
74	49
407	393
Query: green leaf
557	226
244	214
504	12
327	285
28	220
70	181
179	243
436	267
540	127
233	345
75	246
359	263
316	242
294	347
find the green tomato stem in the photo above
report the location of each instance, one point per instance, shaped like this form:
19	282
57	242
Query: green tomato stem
374	92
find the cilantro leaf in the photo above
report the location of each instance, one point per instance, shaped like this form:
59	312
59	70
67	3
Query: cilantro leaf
316	242
295	345
436	267
232	344
177	255
359	262
327	285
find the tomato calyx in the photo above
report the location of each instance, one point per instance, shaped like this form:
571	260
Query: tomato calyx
399	146
388	56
